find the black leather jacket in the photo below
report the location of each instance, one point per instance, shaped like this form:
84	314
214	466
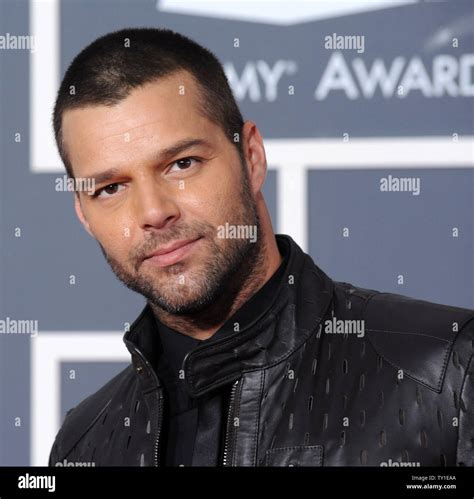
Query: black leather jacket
302	391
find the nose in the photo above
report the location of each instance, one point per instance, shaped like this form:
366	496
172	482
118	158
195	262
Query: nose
155	205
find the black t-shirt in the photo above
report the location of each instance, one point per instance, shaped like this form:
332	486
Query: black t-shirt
181	417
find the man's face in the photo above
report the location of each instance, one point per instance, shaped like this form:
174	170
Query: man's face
149	198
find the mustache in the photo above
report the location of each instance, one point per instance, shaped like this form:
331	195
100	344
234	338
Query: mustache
156	240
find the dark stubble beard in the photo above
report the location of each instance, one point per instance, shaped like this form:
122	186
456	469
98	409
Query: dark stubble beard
235	265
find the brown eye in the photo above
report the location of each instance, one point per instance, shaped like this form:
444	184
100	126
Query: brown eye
107	191
110	189
184	164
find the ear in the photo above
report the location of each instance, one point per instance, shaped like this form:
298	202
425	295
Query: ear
255	155
80	214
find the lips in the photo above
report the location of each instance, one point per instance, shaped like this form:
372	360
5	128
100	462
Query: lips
172	253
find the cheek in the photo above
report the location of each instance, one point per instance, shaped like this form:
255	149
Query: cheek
211	208
115	235
214	198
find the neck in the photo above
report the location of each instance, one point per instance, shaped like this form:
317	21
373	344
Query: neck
239	289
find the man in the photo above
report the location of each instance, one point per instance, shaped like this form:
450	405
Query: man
247	354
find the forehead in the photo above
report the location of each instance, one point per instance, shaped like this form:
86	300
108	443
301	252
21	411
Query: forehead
157	113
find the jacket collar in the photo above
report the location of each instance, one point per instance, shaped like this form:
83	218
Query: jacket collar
300	302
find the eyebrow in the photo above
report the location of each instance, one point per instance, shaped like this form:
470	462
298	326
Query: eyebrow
169	152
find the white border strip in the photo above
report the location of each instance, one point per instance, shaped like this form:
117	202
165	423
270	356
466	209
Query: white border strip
365	153
44	81
280	12
48	350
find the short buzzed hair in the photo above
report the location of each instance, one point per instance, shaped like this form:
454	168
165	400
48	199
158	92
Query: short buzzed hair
107	70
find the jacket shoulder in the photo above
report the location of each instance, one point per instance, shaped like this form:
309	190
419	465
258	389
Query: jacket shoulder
418	336
81	418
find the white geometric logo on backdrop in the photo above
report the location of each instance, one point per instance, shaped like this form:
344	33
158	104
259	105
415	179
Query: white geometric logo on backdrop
48	350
